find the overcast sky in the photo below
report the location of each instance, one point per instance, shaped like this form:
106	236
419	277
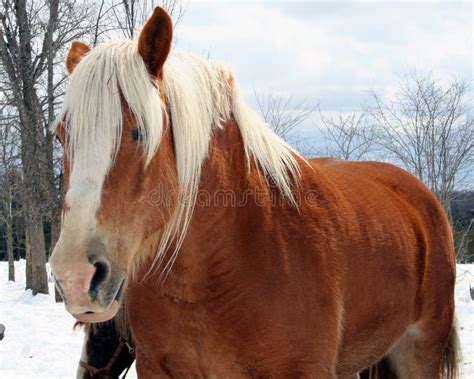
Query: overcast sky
331	52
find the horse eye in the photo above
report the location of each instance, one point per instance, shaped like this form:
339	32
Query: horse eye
136	135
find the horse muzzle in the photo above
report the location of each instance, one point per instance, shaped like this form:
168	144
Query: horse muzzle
91	290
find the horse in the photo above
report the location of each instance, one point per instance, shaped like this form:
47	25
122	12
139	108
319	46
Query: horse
239	257
108	348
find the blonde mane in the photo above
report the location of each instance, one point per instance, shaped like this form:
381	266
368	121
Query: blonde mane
201	96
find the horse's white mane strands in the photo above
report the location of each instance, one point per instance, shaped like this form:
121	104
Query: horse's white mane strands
201	95
92	112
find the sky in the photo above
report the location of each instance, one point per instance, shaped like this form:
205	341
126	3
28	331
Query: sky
332	53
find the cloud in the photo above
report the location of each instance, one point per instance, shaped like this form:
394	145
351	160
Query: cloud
333	53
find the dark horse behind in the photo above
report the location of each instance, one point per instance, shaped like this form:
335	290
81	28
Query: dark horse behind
108	348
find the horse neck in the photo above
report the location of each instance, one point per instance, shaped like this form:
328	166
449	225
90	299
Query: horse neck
226	204
227	186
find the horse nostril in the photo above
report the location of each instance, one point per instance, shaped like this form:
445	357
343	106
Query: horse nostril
102	271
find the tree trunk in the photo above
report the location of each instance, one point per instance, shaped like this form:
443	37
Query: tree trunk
30	146
28	269
19	64
11	265
33	213
37	278
39	282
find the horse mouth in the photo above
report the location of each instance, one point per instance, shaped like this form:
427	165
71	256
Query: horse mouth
105	315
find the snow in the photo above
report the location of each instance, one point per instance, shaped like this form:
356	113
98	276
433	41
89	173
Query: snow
40	341
465	316
39	338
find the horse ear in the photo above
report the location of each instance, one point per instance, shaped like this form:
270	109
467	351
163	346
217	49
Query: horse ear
154	43
75	54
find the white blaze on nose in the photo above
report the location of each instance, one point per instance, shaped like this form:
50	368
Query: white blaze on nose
89	168
70	259
93	117
79	222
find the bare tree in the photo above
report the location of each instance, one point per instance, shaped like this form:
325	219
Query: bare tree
463	240
10	182
16	37
429	129
127	16
32	33
348	136
284	114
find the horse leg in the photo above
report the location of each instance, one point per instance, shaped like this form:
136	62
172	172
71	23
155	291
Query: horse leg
420	351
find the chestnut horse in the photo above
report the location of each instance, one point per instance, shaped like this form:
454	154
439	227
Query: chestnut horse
239	257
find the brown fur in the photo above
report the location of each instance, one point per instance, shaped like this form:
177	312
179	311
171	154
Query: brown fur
321	292
363	269
154	44
76	53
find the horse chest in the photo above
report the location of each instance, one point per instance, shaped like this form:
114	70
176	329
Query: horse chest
238	333
177	339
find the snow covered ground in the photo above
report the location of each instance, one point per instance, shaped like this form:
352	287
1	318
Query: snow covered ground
465	315
40	343
39	340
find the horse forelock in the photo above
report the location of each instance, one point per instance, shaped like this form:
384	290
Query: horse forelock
92	114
